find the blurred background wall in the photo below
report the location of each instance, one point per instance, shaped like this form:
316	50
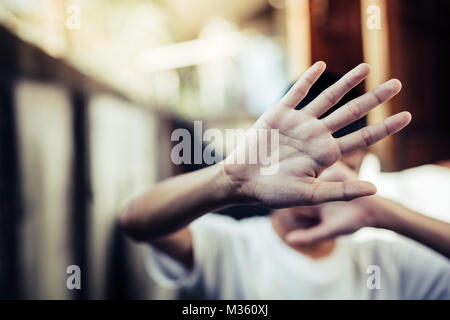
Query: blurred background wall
90	92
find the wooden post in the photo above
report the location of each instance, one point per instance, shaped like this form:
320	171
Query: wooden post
376	53
298	37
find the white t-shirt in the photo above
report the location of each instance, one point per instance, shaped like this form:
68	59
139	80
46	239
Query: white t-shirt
424	189
247	260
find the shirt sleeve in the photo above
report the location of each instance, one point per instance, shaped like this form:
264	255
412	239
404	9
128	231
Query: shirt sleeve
425	274
168	272
213	238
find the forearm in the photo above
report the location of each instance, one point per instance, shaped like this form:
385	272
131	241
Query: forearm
426	230
174	203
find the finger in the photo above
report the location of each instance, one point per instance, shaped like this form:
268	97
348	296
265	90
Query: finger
330	96
309	236
359	107
325	191
371	134
301	87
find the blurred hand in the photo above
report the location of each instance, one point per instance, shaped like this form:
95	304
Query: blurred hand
306	146
335	218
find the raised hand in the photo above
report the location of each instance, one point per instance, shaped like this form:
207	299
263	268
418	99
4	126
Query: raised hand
306	146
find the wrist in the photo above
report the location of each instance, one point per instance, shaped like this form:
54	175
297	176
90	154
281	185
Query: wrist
375	211
381	211
228	187
232	187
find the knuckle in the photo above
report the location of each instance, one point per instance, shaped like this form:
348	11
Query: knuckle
377	97
366	136
329	96
387	130
308	80
344	191
300	91
348	84
355	109
312	197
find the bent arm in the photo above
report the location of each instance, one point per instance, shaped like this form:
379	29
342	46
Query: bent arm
339	218
174	203
161	215
303	147
426	230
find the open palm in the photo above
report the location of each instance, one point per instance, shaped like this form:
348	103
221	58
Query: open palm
305	145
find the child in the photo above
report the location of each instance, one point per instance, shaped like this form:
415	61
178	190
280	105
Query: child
218	257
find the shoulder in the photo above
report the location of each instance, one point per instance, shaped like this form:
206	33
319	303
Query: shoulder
417	271
399	249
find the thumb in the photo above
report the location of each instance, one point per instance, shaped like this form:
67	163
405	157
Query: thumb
326	191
